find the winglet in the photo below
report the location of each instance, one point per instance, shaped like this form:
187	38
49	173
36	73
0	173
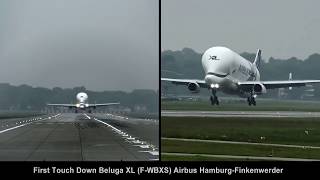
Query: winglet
290	78
257	59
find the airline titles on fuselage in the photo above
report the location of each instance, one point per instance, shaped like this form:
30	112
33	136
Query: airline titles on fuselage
213	58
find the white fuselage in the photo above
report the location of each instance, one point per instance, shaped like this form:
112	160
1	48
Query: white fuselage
224	69
82	99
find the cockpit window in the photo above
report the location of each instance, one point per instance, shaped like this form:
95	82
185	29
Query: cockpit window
218	75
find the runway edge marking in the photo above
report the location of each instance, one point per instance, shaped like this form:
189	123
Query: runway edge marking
15	127
135	141
241	143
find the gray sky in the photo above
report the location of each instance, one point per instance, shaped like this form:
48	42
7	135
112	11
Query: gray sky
100	44
282	29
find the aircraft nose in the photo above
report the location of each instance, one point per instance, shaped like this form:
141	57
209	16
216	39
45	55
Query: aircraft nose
212	79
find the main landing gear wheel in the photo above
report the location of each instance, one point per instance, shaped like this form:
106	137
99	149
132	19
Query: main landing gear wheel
214	99
251	101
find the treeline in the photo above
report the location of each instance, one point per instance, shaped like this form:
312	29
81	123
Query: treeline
25	97
187	64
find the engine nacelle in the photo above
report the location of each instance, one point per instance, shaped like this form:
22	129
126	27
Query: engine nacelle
259	89
194	87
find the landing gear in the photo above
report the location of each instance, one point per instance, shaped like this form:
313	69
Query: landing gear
90	111
76	111
214	99
251	101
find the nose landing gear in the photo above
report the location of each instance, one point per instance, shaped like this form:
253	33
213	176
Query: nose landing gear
251	100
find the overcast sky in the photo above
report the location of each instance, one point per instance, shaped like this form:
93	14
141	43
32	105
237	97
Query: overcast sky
99	44
282	29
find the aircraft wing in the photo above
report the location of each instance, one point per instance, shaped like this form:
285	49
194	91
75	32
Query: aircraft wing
278	84
62	105
201	83
104	104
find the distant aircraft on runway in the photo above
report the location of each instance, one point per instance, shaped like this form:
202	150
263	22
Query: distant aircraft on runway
82	103
230	73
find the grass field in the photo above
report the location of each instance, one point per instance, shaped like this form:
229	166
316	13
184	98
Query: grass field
262	105
239	150
292	131
299	131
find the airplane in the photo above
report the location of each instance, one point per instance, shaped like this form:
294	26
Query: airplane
82	103
227	71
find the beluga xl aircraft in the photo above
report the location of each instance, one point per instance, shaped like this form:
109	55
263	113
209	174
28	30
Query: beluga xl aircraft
82	103
230	73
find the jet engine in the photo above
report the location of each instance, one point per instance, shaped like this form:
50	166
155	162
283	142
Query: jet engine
259	89
194	87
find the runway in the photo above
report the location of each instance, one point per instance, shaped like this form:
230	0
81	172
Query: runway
273	114
78	137
241	143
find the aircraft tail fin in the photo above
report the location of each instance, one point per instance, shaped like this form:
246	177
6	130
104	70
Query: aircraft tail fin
257	59
290	76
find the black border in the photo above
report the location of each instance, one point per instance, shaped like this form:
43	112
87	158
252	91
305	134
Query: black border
289	168
159	90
